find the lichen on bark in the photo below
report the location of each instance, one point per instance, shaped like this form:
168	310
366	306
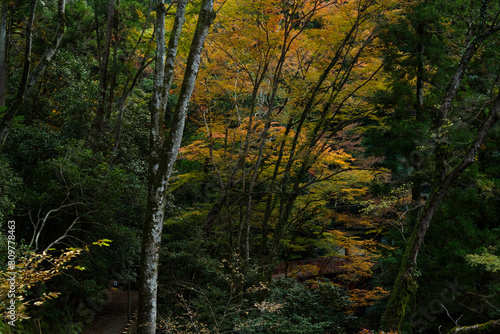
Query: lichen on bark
491	327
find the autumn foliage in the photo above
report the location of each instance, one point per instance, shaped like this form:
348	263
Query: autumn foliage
277	112
264	166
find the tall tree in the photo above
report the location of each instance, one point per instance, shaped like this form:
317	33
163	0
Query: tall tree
4	13
98	125
280	82
164	151
30	79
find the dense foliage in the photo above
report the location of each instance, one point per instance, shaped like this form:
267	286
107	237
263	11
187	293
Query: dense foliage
326	145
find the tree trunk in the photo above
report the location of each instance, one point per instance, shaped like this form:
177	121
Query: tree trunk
491	327
417	160
405	285
12	111
153	224
98	125
122	104
97	36
454	85
51	49
129	86
289	185
4	11
112	84
163	153
29	80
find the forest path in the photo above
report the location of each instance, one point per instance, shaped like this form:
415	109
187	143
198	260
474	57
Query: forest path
113	318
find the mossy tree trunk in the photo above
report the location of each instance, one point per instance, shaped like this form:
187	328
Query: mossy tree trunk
491	327
405	284
164	151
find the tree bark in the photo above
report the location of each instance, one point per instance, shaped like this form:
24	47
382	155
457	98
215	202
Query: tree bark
417	161
153	224
122	104
491	327
405	285
163	153
113	84
51	49
4	11
454	85
98	125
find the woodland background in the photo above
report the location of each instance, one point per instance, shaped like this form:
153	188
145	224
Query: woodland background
336	131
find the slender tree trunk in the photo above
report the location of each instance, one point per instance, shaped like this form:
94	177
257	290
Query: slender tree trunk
163	153
29	80
244	218
27	51
263	139
454	84
122	104
112	84
127	89
288	38
12	111
51	49
491	327
285	199
97	36
153	224
405	285
4	13
417	159
98	124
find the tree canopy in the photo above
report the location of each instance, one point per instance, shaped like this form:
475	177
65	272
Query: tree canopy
278	166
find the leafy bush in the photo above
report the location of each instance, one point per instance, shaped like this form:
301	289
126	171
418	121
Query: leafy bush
9	187
301	308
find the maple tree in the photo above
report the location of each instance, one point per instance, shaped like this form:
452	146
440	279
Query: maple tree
317	139
278	139
32	270
275	149
27	273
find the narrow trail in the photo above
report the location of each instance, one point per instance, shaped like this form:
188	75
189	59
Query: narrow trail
113	318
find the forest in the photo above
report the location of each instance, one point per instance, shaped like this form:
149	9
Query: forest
250	166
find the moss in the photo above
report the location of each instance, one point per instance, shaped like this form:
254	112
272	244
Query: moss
491	327
404	288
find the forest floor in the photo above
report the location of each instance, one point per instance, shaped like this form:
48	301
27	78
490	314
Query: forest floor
113	318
